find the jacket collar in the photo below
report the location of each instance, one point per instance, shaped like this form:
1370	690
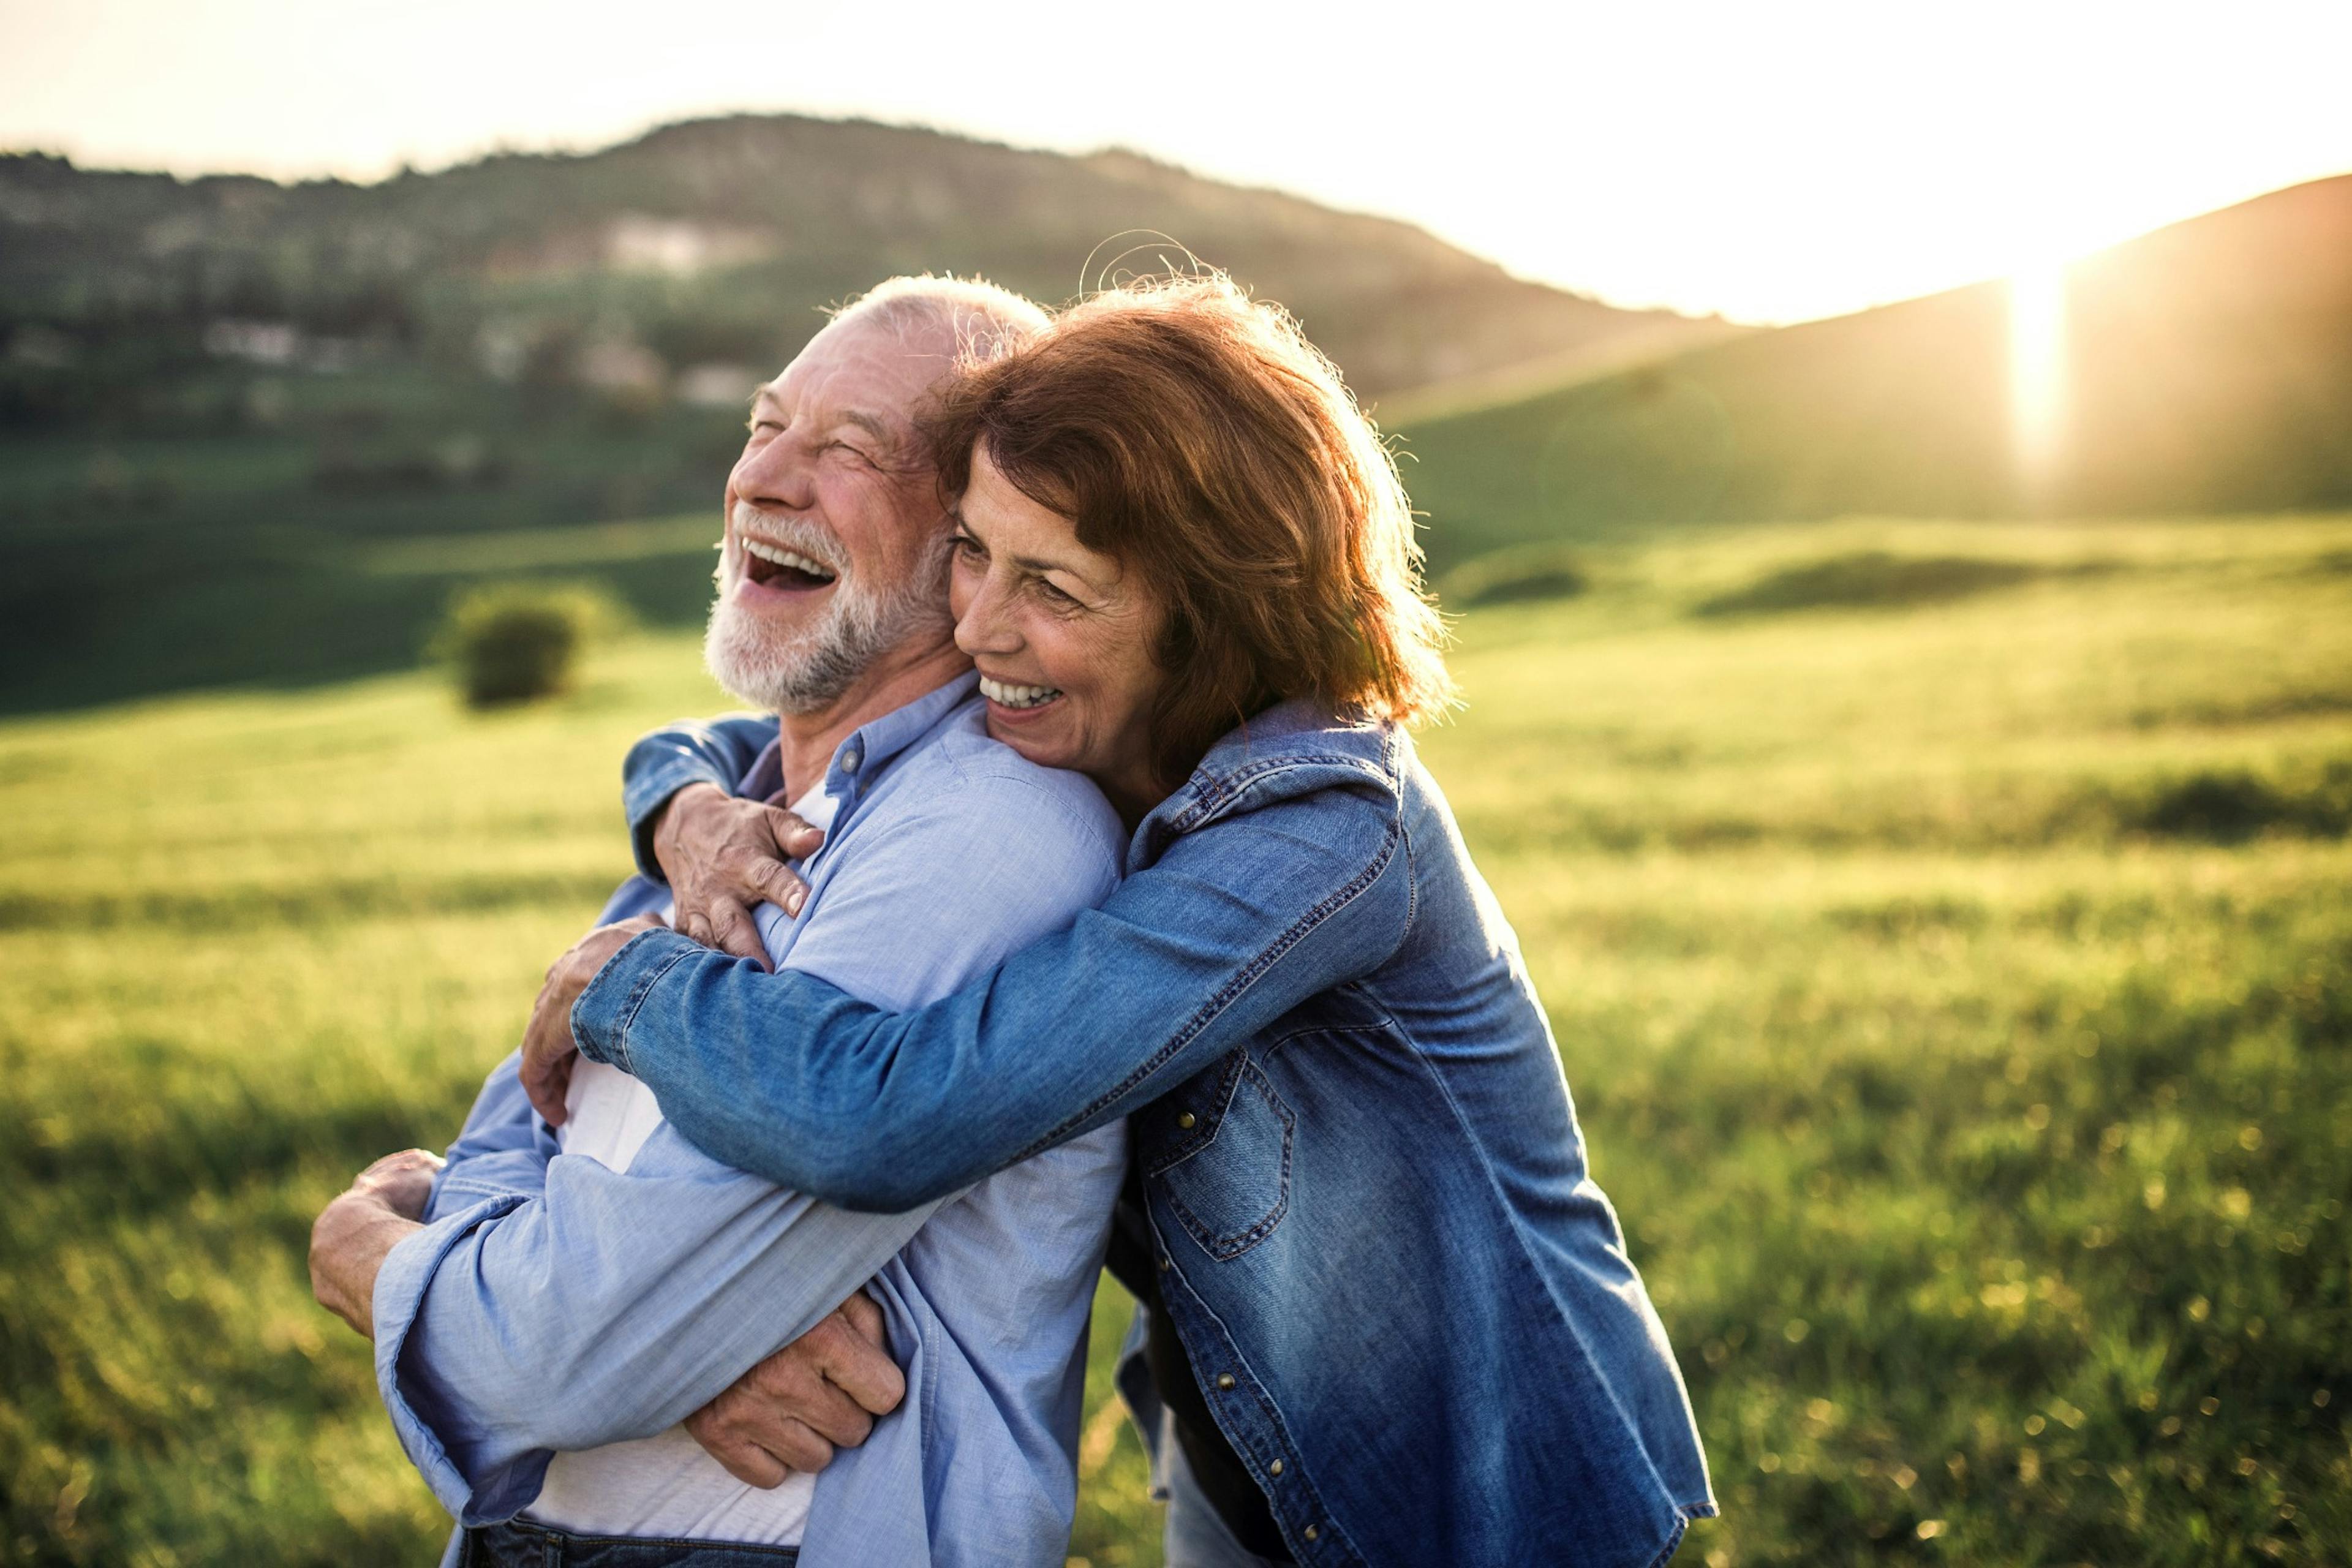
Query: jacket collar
1292	749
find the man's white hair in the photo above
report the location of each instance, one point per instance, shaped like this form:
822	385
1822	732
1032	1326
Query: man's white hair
981	320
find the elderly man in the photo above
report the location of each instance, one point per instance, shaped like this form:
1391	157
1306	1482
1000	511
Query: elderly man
555	1312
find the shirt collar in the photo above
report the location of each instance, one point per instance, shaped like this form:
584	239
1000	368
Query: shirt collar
864	755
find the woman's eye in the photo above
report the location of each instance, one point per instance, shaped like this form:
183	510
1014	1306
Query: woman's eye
1056	597
965	545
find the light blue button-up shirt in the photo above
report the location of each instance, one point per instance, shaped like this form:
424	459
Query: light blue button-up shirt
554	1304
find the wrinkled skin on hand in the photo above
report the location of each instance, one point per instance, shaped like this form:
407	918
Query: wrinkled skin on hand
548	1047
724	857
818	1393
402	1182
356	1231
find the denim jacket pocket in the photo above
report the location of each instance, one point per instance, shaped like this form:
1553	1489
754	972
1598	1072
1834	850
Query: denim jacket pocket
1227	1173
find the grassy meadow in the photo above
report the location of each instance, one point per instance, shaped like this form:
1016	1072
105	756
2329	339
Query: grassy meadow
1948	931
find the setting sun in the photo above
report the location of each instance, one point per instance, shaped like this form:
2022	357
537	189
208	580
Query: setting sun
2037	369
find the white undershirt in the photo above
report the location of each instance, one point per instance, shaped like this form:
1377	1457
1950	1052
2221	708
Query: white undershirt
664	1485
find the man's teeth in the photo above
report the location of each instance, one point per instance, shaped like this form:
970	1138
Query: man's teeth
1016	696
777	555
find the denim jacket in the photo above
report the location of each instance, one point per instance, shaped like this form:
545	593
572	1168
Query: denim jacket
1408	1306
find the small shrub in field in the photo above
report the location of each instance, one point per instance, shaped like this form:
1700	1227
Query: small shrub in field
1508	576
2230	805
2223	807
1867	579
513	643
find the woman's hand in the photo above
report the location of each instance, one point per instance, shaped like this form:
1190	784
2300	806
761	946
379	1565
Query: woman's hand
724	855
356	1231
548	1047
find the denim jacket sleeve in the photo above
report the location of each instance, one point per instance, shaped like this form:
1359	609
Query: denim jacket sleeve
692	751
1239	920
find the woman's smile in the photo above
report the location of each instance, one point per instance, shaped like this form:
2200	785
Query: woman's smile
1016	698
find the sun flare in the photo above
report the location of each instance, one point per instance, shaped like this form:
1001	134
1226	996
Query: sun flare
2037	367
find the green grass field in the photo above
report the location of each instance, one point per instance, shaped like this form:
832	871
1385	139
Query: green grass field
1947	932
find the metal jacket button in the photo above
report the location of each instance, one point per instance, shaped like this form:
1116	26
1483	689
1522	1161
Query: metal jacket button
1275	1469
1225	1380
1310	1532
1185	1118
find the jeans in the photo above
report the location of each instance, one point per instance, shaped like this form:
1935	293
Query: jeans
517	1545
1196	1536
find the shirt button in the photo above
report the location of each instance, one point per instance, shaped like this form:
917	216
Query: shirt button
1225	1380
1310	1532
1275	1469
850	759
1185	1118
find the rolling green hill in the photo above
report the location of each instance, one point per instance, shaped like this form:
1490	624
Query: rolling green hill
2209	369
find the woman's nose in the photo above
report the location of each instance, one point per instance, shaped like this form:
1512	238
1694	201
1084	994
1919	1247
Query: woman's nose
985	626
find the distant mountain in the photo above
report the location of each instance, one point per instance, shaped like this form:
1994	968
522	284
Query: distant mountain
2207	368
708	243
242	424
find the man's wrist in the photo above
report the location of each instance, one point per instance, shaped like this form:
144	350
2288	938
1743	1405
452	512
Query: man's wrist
353	1237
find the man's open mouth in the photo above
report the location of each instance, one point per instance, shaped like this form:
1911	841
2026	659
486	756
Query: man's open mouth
773	566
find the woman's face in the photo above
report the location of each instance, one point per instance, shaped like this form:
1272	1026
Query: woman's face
1063	637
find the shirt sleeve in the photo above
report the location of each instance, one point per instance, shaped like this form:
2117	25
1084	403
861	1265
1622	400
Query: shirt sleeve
692	751
1239	922
503	1149
612	1304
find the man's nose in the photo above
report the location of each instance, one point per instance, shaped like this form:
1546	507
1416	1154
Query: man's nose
776	475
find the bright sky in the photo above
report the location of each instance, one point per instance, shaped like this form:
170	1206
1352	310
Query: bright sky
1772	162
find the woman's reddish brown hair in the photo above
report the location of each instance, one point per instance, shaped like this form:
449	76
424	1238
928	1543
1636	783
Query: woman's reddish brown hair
1195	435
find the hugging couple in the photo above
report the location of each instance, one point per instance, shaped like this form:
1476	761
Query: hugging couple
1077	896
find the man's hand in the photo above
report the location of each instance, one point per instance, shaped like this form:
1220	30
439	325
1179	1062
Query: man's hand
356	1231
724	857
820	1393
548	1047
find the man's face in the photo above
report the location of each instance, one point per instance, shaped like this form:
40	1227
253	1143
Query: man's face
835	545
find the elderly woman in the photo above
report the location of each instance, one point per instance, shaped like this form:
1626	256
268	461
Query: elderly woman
1390	1317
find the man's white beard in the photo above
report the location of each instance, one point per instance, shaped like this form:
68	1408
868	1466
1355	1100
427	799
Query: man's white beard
809	669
